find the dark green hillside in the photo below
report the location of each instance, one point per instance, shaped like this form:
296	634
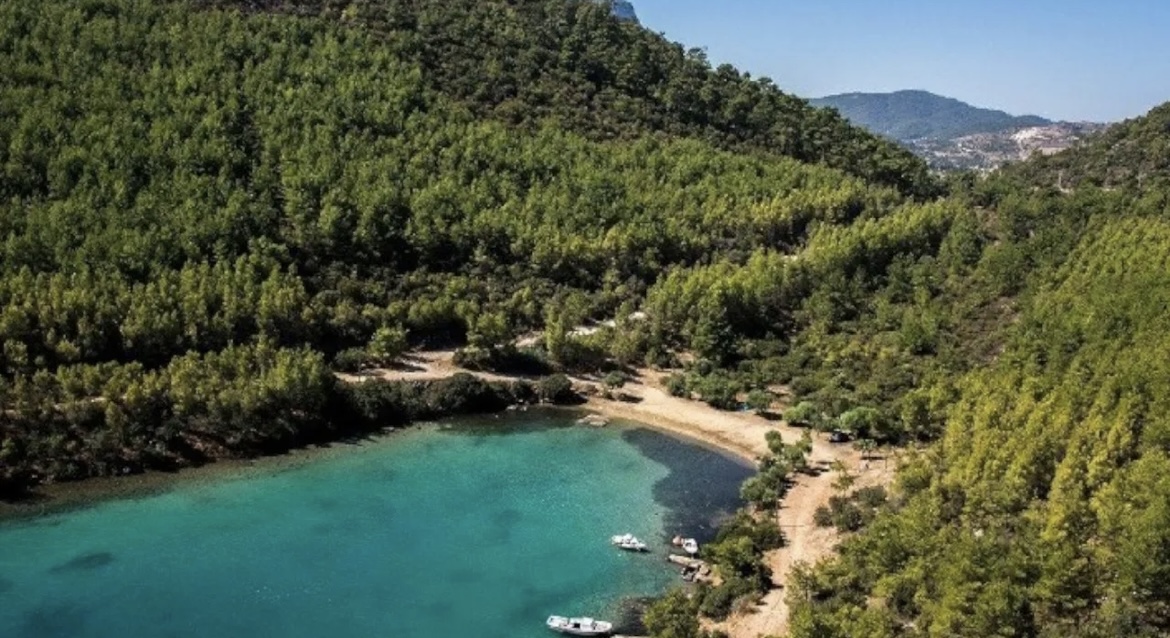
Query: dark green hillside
569	62
1045	508
251	194
918	115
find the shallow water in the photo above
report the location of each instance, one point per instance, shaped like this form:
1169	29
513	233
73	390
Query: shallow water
457	530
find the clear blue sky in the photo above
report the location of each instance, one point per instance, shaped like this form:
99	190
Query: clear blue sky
1099	60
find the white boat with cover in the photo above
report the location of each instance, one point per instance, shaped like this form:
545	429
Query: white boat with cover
628	542
579	626
691	546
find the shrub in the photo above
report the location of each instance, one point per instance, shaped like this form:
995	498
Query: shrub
387	344
803	414
746	604
674	615
463	394
765	534
350	360
614	379
873	497
473	358
759	400
823	517
717	602
676	385
718	392
556	389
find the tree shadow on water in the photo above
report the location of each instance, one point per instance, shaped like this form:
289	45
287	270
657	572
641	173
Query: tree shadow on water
702	486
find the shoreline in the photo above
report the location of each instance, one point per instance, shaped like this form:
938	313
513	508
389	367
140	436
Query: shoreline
677	428
58	498
741	436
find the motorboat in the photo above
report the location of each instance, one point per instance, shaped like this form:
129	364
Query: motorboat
628	542
690	546
579	626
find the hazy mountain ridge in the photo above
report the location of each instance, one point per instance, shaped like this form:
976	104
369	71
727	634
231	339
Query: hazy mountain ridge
914	115
951	134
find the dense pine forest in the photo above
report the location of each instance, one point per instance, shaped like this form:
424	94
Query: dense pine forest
200	196
207	208
1044	509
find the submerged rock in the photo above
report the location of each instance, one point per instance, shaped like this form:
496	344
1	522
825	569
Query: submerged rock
630	613
85	562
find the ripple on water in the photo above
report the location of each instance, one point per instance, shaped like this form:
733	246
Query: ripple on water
84	563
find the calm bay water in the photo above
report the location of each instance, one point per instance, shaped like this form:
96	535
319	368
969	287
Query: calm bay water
441	531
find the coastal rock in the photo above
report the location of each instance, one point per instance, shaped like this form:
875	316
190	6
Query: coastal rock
596	420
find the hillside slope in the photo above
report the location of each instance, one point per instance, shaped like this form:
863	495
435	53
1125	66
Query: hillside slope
1134	154
204	208
570	62
1045	509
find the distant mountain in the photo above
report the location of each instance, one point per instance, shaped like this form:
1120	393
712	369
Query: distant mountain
917	115
950	134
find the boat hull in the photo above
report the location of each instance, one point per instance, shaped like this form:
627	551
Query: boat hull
579	626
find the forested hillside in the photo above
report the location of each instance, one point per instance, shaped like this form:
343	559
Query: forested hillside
1045	508
1134	154
199	195
557	61
209	207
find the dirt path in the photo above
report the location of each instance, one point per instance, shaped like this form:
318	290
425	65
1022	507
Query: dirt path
740	433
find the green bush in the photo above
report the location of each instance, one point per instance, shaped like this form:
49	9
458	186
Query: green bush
350	360
719	392
717	601
764	533
676	385
556	389
614	379
823	517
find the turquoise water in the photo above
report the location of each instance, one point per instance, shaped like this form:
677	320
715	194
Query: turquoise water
440	531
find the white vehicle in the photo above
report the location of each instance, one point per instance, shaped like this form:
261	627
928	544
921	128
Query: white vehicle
628	542
579	626
691	546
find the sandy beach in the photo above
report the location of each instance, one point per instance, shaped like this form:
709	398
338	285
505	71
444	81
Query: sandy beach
645	400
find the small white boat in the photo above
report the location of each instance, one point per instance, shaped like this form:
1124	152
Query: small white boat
628	542
691	546
579	626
